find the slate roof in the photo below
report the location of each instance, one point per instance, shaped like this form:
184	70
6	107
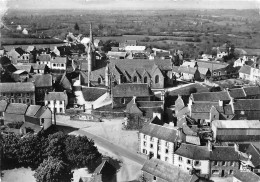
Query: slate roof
224	153
203	107
188	70
5	60
245	69
165	171
3	105
246	176
150	103
61	60
116	54
17	87
92	93
251	91
193	151
161	132
19	50
41	111
236	124
44	57
32	110
16	108
211	65
250	149
60	96
40	80
27	68
237	93
36	128
247	105
131	89
211	96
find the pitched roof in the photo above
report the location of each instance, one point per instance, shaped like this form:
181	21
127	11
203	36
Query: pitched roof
92	93
212	65
44	57
165	171
132	108
245	69
193	151
203	107
116	54
42	113
211	96
32	110
250	149
36	128
59	60
237	93
253	90
247	105
3	105
17	87
131	89
41	80
246	176
61	96
18	72
16	108
27	68
186	69
224	153
236	124
161	132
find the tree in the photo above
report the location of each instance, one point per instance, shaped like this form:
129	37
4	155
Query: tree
10	148
53	170
56	147
76	27
81	152
31	151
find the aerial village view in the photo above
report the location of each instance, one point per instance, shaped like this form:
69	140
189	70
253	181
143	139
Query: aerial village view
130	91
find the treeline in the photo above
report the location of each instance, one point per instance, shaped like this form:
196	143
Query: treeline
52	156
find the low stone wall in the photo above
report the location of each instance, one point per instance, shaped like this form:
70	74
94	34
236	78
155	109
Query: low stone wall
108	114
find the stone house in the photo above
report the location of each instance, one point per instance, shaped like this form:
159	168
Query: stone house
189	73
18	92
122	94
15	54
158	141
15	112
43	84
44	59
248	109
59	63
157	170
245	176
193	157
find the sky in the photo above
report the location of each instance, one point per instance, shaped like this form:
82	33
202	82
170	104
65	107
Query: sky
130	4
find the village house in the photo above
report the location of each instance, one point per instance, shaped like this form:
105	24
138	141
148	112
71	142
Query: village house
253	164
56	101
189	73
15	54
44	59
37	118
25	67
249	73
116	55
148	109
40	68
20	76
18	92
193	157
224	161
157	170
122	94
58	63
246	109
15	112
236	130
158	141
43	84
125	43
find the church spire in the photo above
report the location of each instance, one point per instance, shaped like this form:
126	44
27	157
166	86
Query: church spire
90	34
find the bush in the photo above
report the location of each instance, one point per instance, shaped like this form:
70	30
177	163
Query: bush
16	125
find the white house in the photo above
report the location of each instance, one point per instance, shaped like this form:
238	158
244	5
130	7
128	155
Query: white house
193	157
158	141
58	63
56	101
135	48
249	73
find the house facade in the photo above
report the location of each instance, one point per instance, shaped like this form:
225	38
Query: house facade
56	101
157	141
18	92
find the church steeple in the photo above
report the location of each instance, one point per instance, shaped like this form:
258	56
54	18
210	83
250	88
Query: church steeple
90	34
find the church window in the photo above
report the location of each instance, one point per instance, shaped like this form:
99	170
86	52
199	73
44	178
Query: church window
145	79
135	79
99	80
157	79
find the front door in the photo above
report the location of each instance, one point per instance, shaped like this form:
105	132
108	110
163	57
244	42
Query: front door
222	173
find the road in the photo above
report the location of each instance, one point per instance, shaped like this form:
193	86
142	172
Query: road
117	150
